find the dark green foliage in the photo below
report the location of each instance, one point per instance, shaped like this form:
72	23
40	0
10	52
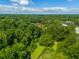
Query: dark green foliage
46	40
58	31
20	35
17	51
11	39
73	51
70	40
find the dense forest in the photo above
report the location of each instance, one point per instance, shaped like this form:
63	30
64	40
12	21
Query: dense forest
39	37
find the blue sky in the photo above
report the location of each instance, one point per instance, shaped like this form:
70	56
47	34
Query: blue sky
39	6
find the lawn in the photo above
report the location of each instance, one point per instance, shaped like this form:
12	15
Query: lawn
55	45
38	51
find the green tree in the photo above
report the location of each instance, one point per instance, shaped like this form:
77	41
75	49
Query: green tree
73	51
46	40
63	46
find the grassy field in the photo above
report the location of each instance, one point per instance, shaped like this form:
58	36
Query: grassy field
38	51
51	54
55	46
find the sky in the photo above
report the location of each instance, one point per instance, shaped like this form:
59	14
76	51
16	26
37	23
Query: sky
39	6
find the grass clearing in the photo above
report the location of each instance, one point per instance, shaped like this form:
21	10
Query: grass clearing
38	51
55	45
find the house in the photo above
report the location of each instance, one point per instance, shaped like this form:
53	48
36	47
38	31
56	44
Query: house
66	23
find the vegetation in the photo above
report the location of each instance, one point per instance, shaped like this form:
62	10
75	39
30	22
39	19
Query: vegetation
39	37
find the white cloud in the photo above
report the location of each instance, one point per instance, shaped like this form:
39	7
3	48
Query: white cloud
56	9
46	9
7	7
14	9
21	2
22	8
26	9
25	2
